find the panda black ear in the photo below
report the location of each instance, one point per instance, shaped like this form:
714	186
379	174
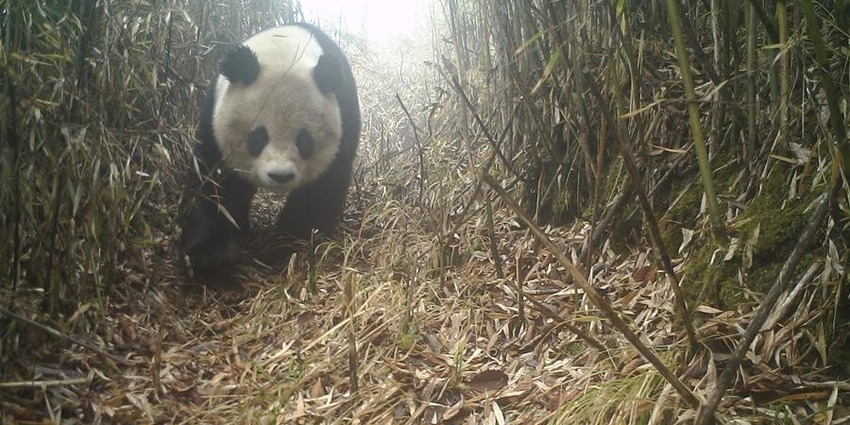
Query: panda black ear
328	74
241	66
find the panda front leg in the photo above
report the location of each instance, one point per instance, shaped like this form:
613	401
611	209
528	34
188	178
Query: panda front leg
213	228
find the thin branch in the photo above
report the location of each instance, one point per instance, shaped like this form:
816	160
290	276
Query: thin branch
600	302
492	140
47	383
729	373
657	240
423	172
67	337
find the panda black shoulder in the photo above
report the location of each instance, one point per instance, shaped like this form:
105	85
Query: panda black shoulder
333	74
332	71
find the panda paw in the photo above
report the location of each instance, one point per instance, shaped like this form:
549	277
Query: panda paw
210	245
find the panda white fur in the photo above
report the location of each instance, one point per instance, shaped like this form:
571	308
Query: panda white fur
283	115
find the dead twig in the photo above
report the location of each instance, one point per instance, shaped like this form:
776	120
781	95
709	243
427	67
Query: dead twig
557	318
729	373
600	302
47	383
67	337
657	240
420	155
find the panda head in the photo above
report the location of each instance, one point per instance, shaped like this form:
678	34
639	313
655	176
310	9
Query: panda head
276	117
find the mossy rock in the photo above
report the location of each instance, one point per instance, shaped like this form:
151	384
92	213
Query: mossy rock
767	231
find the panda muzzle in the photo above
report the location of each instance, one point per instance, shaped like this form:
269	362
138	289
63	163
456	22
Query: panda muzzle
281	177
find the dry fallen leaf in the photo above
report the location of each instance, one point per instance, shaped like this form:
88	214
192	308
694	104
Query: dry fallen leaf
488	380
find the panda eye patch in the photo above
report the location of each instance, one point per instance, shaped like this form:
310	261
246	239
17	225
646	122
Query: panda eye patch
304	143
258	138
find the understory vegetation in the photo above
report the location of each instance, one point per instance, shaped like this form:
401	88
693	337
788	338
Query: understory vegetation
589	212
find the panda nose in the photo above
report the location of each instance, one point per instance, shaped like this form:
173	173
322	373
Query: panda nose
281	177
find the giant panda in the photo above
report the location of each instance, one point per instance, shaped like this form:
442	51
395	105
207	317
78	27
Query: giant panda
282	115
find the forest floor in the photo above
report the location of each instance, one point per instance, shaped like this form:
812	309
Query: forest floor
369	328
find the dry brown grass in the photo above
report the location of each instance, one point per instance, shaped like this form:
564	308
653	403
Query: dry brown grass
452	344
421	310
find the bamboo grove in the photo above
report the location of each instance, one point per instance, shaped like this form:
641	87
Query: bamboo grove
558	140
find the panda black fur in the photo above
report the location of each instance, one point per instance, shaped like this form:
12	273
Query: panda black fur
283	115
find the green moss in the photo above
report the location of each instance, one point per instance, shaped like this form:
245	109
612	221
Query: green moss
687	209
612	184
778	219
407	340
716	282
779	222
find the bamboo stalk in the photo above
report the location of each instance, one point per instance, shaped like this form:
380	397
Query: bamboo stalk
694	118
836	118
718	126
752	105
784	78
657	241
650	217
